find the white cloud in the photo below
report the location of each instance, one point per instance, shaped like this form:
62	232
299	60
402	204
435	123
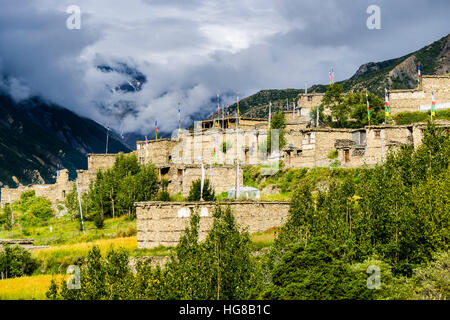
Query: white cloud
191	50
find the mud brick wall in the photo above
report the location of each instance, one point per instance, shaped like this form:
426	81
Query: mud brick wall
162	223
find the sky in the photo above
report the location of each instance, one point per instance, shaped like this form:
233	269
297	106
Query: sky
190	51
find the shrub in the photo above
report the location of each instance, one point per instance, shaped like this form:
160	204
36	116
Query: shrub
433	281
99	221
226	146
194	192
333	154
16	261
316	271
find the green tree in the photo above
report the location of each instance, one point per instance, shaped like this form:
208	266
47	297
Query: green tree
164	194
316	271
194	192
16	261
433	280
357	106
278	123
333	100
218	268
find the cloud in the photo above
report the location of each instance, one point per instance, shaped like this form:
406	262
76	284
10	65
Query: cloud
191	50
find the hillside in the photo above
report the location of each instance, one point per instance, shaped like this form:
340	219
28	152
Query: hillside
36	137
398	73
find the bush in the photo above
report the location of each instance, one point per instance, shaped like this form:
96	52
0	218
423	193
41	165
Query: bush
409	117
16	261
164	194
226	146
333	154
433	280
194	192
99	221
316	271
34	209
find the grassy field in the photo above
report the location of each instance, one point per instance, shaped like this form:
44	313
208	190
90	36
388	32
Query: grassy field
27	288
264	239
56	259
66	231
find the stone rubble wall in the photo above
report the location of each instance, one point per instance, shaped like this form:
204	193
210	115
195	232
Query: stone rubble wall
162	223
411	100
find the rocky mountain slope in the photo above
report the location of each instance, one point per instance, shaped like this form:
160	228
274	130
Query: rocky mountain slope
398	73
36	138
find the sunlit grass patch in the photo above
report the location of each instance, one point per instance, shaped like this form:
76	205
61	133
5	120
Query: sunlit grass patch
263	239
57	259
27	288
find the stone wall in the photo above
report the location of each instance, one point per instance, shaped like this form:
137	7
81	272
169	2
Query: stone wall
158	152
180	177
374	151
306	102
56	192
419	99
162	223
100	161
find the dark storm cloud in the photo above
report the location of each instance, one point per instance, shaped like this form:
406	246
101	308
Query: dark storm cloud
191	50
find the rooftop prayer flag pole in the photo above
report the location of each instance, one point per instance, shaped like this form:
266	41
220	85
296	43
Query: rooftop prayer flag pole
156	130
433	106
202	182
238	106
12	214
179	118
368	107
270	111
218	110
237	160
211	176
418	73
386	102
214	150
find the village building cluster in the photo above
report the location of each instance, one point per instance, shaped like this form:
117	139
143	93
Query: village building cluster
217	145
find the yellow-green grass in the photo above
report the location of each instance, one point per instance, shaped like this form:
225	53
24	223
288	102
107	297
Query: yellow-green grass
27	288
263	239
276	197
57	259
64	230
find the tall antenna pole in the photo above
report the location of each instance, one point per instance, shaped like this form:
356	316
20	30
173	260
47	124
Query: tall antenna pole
270	112
12	214
107	136
237	161
202	182
433	106
317	116
79	203
211	175
223	116
382	146
218	110
179	118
